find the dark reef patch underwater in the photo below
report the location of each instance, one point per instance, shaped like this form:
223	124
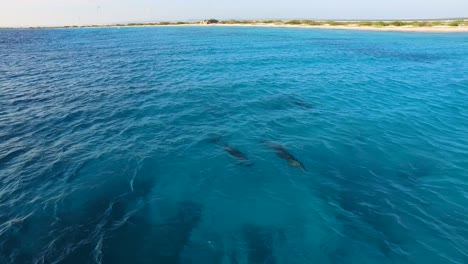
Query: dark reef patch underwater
233	145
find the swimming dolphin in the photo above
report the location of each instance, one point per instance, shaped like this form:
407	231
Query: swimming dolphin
238	154
284	154
244	160
302	104
299	102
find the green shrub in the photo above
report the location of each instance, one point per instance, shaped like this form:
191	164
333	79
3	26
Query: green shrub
436	23
365	23
456	23
271	21
333	23
311	22
397	23
421	24
294	22
380	24
231	21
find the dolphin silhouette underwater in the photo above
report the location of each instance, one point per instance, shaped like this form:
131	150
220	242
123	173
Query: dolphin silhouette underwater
284	154
234	152
299	102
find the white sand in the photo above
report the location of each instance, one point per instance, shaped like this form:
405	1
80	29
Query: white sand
440	29
434	29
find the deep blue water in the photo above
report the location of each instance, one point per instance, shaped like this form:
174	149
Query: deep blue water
177	145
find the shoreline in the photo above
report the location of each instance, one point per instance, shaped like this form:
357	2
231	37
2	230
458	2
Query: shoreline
389	28
434	29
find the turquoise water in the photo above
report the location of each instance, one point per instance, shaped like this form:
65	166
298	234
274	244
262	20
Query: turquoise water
184	145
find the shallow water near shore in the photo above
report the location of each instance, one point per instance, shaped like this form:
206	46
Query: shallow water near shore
119	146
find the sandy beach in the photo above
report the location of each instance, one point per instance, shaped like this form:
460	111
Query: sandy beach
434	29
351	26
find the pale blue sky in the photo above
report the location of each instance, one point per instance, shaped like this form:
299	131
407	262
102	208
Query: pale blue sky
80	12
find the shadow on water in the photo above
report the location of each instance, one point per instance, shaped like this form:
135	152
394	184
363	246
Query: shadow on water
198	252
363	211
261	244
13	246
366	225
286	102
361	193
78	220
140	240
379	52
7	157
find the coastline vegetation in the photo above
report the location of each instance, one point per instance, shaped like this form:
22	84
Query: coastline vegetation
368	23
297	22
396	23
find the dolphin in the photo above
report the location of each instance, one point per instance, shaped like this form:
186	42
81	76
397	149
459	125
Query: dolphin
299	102
238	155
243	159
284	154
302	104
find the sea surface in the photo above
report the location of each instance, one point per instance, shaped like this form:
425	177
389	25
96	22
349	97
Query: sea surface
233	145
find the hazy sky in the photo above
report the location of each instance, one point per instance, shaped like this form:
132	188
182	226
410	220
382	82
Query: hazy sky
79	12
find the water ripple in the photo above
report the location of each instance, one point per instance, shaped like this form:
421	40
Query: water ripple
114	146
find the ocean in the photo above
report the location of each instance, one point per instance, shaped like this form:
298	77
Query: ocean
233	145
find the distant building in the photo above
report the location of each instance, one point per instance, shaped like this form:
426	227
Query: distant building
209	21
